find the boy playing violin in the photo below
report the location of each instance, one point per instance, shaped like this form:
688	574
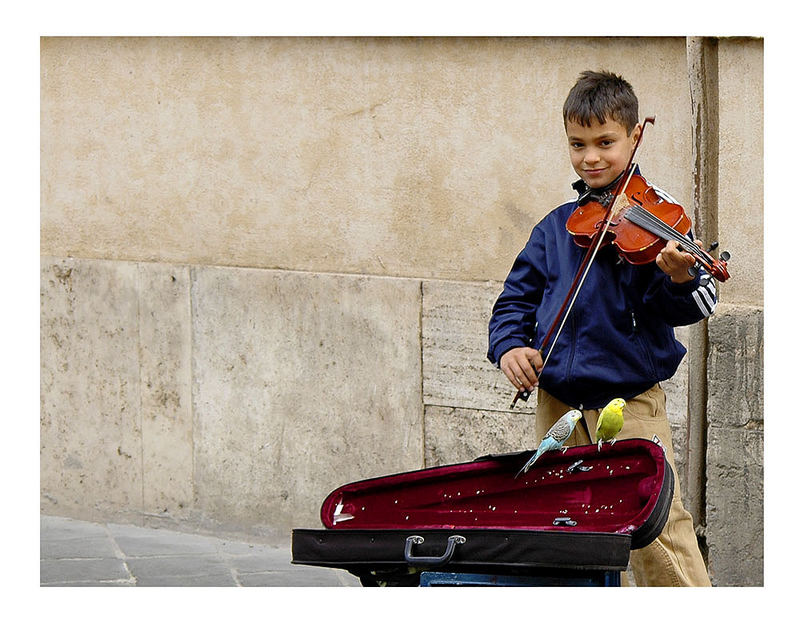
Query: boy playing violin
619	339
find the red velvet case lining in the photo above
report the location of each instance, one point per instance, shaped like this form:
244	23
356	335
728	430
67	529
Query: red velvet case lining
616	493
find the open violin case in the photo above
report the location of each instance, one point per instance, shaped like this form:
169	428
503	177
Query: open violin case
572	519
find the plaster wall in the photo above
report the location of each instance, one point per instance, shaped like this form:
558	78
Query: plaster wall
423	158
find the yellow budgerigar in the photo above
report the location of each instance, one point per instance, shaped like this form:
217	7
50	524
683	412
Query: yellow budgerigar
609	422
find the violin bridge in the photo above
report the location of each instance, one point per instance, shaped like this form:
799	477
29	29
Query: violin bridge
620	204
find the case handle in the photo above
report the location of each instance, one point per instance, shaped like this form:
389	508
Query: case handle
431	561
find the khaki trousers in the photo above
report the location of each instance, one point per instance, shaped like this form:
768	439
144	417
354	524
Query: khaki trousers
674	558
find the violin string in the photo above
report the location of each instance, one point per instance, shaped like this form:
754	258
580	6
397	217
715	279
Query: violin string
655	225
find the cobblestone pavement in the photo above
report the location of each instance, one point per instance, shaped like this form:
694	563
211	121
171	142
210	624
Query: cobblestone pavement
80	553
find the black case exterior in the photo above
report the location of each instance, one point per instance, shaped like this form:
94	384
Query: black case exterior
397	556
379	556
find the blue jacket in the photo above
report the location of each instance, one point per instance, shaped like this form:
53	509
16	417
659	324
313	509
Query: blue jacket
618	341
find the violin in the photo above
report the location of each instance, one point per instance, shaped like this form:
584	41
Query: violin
639	225
638	222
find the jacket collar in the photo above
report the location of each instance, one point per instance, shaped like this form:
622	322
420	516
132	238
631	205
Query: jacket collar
589	194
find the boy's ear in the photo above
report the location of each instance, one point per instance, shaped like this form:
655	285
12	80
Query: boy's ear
636	132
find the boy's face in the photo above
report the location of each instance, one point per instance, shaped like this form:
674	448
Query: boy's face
600	152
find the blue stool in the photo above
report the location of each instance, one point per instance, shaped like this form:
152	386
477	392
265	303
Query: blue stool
603	578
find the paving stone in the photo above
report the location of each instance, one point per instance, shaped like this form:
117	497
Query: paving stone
129	583
248	548
139	542
261	563
97	546
82	570
302	576
57	528
75	554
175	566
214	581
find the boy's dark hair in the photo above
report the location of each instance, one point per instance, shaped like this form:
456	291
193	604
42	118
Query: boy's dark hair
600	94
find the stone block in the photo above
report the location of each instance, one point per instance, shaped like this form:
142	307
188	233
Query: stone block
735	506
166	388
457	375
677	387
741	158
454	435
455	370
302	382
736	362
90	432
735	452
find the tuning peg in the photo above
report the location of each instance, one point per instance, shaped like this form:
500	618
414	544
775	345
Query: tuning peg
724	255
712	247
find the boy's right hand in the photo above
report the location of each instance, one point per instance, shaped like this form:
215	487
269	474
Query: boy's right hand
518	365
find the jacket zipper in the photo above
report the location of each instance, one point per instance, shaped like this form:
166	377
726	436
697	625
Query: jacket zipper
642	346
573	343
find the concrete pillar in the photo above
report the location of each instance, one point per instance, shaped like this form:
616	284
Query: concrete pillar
701	54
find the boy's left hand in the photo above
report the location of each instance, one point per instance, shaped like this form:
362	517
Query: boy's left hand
675	262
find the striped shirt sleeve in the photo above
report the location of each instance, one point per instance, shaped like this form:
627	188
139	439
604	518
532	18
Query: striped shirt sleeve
705	296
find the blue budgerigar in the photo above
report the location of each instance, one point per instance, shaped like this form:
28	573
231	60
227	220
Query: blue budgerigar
554	438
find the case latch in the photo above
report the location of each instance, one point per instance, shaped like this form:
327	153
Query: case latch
577	467
564	520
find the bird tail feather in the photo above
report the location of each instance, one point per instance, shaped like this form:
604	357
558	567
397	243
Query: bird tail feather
530	463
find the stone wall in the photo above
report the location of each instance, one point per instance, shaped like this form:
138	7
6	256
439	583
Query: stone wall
240	397
268	265
735	481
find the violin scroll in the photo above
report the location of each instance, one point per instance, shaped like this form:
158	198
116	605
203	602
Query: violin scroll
717	268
